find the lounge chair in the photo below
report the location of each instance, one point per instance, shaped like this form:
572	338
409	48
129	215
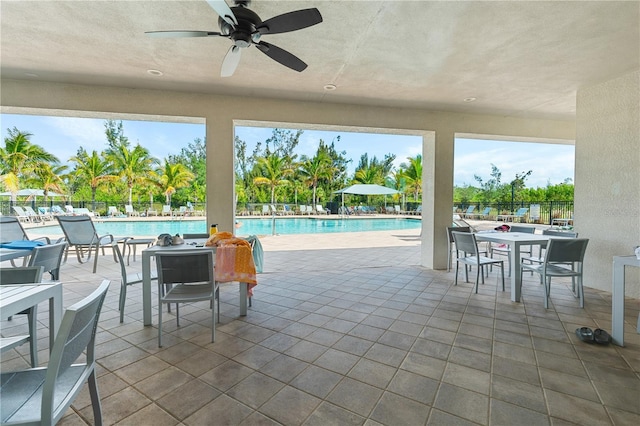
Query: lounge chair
114	212
287	210
33	216
11	230
86	212
45	213
482	215
57	210
266	210
128	209
519	214
21	215
69	209
417	211
469	211
321	209
81	235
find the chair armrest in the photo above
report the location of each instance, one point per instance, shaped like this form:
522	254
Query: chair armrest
48	241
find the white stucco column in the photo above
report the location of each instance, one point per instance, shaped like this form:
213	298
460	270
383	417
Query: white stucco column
220	173
437	181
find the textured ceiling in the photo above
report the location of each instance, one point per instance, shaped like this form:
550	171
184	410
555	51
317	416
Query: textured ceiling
523	59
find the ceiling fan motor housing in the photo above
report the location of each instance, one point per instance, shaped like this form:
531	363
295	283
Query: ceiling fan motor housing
245	32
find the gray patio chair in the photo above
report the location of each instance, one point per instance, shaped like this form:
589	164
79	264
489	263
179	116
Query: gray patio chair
468	254
81	235
49	257
11	230
189	277
43	395
561	251
505	251
127	279
451	242
23	275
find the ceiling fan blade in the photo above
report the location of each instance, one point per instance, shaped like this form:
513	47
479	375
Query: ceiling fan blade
291	21
230	62
279	55
171	34
223	9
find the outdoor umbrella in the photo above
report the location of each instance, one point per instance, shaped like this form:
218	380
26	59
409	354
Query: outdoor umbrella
365	189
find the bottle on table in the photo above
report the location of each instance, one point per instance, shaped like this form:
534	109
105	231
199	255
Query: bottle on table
214	229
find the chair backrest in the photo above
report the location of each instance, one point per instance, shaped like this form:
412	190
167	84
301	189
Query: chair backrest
185	266
113	210
78	229
49	257
470	209
564	250
19	211
166	208
194	236
69	208
465	242
265	208
57	210
522	211
524	229
128	208
486	211
554	233
21	275
11	229
76	335
450	229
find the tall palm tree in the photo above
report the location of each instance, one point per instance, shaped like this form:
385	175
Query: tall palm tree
93	169
132	166
274	171
173	177
50	178
314	169
19	158
412	171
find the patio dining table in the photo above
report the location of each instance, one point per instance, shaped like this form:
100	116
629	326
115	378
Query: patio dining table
514	240
11	254
150	252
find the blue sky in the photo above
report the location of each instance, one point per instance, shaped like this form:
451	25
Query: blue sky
62	136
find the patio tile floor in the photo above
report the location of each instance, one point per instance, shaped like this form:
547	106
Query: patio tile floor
347	329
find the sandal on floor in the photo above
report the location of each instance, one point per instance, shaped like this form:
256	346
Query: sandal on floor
585	334
602	337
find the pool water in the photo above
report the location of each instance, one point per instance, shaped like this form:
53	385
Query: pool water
248	226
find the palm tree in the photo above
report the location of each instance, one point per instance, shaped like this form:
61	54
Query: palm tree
274	171
132	166
412	172
50	178
92	169
315	169
173	177
19	158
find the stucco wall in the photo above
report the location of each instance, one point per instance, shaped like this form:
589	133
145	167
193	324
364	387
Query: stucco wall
607	197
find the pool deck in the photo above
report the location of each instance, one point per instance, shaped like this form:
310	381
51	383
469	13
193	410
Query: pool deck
347	328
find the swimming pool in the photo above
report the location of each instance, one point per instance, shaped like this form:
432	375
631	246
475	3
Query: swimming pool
248	226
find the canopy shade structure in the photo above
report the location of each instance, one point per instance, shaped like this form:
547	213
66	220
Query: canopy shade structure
367	189
32	193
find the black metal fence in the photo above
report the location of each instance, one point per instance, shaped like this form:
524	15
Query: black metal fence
100	207
542	212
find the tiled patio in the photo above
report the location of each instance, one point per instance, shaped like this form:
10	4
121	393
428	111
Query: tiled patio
346	329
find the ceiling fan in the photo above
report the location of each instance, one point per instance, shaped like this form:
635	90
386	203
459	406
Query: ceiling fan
245	28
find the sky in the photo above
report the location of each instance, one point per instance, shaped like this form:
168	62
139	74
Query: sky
62	136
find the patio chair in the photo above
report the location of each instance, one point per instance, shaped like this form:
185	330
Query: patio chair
468	212
127	279
69	209
113	211
45	213
49	257
57	210
451	241
166	210
128	209
266	210
21	215
11	230
321	209
287	210
467	245
561	251
81	235
481	215
493	249
33	216
190	278
85	211
43	395
23	275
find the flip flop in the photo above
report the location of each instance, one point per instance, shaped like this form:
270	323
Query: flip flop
602	337
585	334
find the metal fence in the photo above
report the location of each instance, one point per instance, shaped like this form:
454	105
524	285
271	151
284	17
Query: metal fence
542	212
100	206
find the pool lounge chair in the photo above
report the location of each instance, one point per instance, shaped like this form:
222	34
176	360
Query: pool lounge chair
33	216
114	212
520	214
81	236
21	214
128	209
321	210
86	212
468	212
482	215
166	210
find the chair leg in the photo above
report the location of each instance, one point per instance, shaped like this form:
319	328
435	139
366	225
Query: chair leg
32	316
213	320
123	296
502	273
160	316
547	290
95	398
478	277
455	282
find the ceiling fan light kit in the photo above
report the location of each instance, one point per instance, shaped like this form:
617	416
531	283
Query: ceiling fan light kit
244	28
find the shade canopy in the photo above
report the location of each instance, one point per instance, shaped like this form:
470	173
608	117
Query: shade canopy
32	193
367	189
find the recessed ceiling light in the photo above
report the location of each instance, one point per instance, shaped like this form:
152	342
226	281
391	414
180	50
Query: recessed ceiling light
469	99
329	87
30	74
155	72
